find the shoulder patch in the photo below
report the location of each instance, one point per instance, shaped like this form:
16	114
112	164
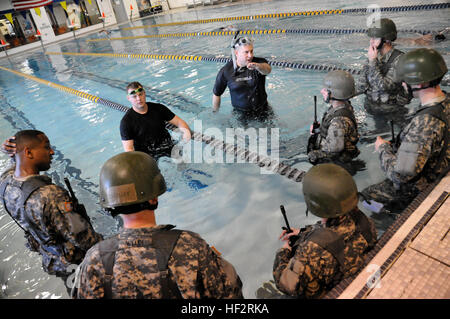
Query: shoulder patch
68	207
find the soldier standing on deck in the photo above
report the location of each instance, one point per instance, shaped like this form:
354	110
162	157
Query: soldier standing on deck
146	260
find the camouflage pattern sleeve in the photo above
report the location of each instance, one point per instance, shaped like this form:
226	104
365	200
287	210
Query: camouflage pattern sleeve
305	273
376	79
89	278
282	258
338	130
315	155
339	135
7	171
194	263
361	82
417	143
60	217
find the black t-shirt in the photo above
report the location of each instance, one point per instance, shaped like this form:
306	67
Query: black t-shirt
148	131
247	87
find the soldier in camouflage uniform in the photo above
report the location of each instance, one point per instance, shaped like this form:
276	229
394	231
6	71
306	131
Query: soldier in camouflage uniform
337	135
332	249
420	154
146	260
384	95
48	215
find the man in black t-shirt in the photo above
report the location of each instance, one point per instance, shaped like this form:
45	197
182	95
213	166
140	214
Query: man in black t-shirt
246	79
143	127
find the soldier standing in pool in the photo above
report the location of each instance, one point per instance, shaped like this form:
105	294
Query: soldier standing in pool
385	98
420	153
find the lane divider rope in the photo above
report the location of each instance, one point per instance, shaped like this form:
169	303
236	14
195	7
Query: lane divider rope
437	6
251	32
283	64
251	157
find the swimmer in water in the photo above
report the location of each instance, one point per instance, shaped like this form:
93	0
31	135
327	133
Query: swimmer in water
426	40
228	28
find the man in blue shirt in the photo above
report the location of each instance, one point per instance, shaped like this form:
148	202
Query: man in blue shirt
246	79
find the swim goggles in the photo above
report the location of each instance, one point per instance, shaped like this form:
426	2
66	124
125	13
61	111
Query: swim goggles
243	41
138	90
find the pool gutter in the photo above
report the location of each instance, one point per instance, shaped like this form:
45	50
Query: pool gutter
412	258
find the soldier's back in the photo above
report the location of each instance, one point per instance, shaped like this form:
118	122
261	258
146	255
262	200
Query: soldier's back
192	266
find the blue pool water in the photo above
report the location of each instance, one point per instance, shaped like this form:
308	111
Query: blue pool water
233	206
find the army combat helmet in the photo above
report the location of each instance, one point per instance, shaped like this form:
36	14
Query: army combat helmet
128	180
384	29
329	191
420	66
340	84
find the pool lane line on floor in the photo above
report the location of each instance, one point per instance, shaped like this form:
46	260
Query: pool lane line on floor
253	32
177	101
241	18
283	64
250	157
437	6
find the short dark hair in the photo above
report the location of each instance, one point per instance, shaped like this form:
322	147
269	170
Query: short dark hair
134	85
26	138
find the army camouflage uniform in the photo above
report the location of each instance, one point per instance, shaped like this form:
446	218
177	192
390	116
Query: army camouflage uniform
383	94
311	271
427	133
50	216
338	142
195	268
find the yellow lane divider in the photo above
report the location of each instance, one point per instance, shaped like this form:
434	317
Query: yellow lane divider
133	56
294	65
436	6
240	18
54	85
194	34
262	161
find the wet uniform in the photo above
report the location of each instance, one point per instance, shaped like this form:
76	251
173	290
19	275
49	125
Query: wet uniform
247	89
194	269
420	155
312	268
383	94
148	131
60	235
338	136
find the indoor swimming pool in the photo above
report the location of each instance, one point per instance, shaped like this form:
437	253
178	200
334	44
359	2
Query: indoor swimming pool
233	206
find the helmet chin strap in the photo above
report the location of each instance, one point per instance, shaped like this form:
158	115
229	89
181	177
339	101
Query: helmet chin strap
328	99
131	209
411	90
382	42
152	206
